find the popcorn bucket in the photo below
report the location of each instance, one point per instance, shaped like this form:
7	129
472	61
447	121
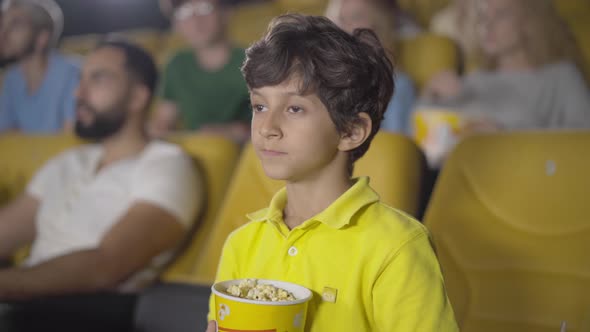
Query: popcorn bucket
436	130
428	121
235	314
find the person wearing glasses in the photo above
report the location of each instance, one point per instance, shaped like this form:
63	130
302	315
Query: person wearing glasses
202	88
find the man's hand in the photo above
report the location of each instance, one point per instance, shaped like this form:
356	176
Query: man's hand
212	327
17	224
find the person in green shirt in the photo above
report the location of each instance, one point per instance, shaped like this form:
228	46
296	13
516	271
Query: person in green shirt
202	88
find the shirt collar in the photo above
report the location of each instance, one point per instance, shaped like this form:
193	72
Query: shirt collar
337	215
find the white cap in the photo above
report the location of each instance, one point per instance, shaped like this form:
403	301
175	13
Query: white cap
49	6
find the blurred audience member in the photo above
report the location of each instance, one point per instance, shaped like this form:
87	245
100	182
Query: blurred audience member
38	91
374	14
203	88
457	21
529	78
107	215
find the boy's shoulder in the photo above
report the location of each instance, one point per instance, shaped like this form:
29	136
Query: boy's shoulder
376	223
381	222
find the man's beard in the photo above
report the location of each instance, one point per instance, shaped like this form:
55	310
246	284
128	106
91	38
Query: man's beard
26	52
104	125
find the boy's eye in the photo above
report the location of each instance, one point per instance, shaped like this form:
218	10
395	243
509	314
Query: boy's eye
295	109
258	108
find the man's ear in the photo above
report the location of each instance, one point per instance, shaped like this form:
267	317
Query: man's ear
140	97
358	134
43	41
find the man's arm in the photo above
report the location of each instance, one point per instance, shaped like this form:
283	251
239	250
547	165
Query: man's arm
143	232
17	224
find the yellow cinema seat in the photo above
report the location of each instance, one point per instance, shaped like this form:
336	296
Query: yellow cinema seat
393	162
149	39
22	155
509	217
248	22
572	10
79	45
217	156
308	7
425	55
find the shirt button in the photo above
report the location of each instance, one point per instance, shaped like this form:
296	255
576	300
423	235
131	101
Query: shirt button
292	251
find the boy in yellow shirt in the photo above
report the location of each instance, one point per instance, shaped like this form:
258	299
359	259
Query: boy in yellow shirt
318	96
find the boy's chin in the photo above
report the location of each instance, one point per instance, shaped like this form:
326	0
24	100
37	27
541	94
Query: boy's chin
276	174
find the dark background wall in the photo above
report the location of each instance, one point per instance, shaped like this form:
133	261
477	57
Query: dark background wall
102	16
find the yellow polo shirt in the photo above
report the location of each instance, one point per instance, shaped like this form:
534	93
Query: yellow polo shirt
371	267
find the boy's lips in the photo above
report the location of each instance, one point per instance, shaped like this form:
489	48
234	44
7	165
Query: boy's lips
272	153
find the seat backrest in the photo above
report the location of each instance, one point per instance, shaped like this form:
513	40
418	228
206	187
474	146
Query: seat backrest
248	22
393	162
22	155
509	218
217	157
425	55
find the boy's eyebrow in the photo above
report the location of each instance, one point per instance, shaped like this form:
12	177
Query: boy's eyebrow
289	93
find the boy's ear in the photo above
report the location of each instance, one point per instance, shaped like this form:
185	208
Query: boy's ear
358	133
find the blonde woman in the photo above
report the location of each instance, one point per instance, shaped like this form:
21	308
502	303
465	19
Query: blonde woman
529	78
376	15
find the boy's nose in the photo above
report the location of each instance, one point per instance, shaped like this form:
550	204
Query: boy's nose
270	126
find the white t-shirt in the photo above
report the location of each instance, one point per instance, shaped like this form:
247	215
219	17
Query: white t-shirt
78	206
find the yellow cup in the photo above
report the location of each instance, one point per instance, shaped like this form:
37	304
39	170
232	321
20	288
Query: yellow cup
234	314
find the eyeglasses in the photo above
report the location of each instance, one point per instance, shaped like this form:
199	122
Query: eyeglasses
201	8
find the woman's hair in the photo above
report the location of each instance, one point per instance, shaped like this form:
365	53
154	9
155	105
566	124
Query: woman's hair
546	38
382	15
349	73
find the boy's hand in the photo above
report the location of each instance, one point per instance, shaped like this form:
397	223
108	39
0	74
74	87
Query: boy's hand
212	327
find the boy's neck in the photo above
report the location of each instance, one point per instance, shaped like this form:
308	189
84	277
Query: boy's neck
306	199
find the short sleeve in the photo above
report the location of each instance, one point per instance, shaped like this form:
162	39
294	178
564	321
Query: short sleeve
409	295
167	178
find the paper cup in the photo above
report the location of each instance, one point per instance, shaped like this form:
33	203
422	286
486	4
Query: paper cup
242	315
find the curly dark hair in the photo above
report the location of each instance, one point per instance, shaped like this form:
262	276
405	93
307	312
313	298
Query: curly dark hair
349	73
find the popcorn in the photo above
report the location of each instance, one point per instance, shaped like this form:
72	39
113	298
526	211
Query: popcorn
252	290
